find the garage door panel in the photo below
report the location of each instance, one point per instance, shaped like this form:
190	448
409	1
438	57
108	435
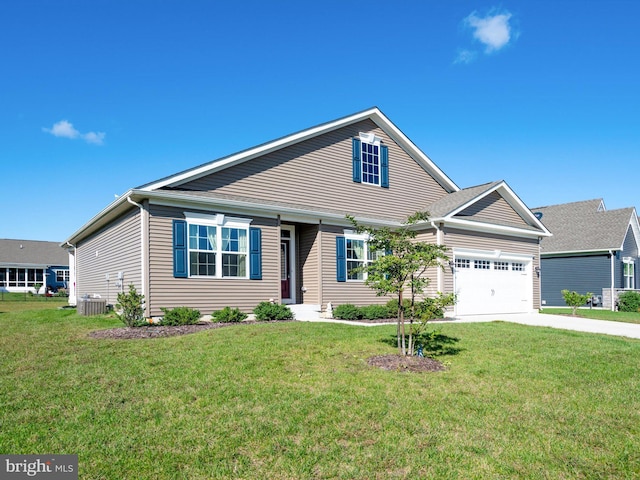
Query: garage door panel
494	290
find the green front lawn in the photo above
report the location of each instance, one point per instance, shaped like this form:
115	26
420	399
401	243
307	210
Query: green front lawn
298	400
597	314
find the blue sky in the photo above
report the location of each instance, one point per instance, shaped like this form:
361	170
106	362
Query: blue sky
102	96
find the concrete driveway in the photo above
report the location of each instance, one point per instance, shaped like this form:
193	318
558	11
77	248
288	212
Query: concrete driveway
630	330
621	329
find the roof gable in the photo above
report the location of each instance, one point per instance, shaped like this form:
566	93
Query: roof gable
373	114
489	206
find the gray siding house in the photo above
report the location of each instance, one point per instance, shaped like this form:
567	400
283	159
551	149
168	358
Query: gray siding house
268	223
592	250
27	263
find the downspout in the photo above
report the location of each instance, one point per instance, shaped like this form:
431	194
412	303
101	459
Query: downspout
613	272
73	298
142	256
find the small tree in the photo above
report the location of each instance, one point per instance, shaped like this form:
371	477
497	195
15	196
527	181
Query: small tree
401	269
131	306
575	300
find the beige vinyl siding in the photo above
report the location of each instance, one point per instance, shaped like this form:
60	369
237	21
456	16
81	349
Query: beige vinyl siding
308	264
115	248
207	294
323	165
355	292
454	238
493	208
430	236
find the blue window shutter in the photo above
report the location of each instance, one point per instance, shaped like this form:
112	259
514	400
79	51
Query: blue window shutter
341	259
180	249
357	163
384	166
255	253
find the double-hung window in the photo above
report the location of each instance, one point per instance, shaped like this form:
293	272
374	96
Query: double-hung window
358	256
218	246
370	160
629	273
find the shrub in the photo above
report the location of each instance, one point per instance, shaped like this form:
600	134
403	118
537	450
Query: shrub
374	312
267	311
180	316
347	311
229	315
575	300
130	306
629	302
392	307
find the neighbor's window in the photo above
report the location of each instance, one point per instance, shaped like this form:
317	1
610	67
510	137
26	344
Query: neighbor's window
629	274
218	250
62	276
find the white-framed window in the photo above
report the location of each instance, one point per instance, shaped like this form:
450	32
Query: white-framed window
628	270
501	265
358	255
463	263
482	264
370	157
517	266
62	276
218	246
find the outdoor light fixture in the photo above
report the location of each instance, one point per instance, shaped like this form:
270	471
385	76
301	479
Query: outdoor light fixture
537	270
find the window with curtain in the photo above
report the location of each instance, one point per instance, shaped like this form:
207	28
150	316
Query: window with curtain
629	274
358	255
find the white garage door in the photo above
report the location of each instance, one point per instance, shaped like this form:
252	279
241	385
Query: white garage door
488	286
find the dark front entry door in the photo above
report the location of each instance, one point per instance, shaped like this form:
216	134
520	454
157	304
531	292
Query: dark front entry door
285	269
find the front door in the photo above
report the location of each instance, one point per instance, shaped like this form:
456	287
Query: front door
285	268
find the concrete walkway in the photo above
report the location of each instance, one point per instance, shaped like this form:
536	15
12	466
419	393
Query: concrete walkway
621	329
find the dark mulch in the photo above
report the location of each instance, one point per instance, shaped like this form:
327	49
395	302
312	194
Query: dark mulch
401	363
157	331
395	320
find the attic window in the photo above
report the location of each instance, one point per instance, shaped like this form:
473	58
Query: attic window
370	160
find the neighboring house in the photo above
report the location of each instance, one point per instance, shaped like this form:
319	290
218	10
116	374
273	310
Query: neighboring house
26	263
592	250
269	223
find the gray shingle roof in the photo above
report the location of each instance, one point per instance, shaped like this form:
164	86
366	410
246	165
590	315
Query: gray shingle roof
32	252
452	201
580	227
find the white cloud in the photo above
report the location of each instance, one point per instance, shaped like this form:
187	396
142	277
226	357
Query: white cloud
65	129
465	56
493	31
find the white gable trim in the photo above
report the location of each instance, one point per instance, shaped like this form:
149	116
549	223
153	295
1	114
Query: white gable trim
512	199
373	114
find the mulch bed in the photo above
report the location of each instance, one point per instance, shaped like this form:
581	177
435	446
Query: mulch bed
157	331
401	363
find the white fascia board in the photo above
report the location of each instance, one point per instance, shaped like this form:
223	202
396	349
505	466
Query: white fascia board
257	151
256	209
102	218
489	228
635	227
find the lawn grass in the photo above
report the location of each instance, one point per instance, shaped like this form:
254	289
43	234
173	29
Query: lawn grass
597	314
298	400
16	302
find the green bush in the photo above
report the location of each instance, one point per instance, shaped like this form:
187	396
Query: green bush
229	315
130	306
629	302
392	306
347	311
575	300
267	311
374	312
180	316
